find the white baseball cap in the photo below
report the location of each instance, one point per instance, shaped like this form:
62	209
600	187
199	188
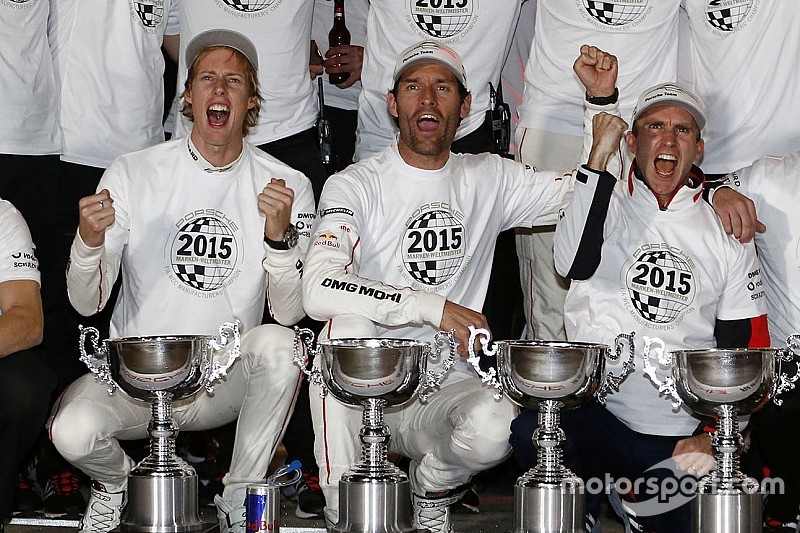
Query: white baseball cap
228	38
430	52
671	94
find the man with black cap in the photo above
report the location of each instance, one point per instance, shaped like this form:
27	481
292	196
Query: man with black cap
203	230
648	255
412	230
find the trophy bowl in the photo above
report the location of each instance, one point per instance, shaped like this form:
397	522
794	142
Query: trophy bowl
532	371
744	378
144	365
388	369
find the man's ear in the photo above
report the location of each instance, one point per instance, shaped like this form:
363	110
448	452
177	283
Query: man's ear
465	106
391	101
630	140
701	148
251	102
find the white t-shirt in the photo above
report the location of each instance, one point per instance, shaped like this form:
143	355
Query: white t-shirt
394	241
643	34
479	30
110	68
772	183
665	274
743	63
355	16
17	252
191	243
281	32
29	105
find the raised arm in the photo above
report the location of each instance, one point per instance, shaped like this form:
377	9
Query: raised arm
283	259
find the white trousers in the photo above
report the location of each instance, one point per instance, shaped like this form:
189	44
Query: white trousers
260	389
543	289
460	431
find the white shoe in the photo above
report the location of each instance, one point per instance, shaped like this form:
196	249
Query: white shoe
432	513
231	513
103	511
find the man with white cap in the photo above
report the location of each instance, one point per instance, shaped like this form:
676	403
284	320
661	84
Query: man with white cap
202	228
412	230
647	254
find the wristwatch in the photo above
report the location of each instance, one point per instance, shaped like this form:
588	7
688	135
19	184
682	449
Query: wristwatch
289	239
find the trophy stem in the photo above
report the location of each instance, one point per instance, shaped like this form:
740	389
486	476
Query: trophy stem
548	438
374	436
162	431
726	442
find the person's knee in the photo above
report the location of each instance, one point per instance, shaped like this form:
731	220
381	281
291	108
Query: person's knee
272	347
484	431
74	430
343	326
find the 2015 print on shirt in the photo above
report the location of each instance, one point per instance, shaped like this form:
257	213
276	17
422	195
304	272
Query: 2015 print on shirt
433	246
204	253
661	285
442	19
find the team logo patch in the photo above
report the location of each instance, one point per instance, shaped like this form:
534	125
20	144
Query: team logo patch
615	12
248	6
204	253
661	285
150	13
727	15
433	247
442	19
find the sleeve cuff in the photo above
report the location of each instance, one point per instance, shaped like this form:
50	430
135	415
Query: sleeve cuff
83	252
431	307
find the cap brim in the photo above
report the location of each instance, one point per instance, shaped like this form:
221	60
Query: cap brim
698	117
430	61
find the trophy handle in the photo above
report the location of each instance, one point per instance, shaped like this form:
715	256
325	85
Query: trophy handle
790	354
490	376
300	358
611	382
101	371
230	342
666	387
432	379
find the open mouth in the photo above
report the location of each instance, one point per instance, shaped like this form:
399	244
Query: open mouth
218	114
665	164
427	122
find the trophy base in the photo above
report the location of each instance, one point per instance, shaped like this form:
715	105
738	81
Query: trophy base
726	513
162	505
549	507
375	507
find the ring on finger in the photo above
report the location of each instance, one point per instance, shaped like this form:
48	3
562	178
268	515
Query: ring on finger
101	204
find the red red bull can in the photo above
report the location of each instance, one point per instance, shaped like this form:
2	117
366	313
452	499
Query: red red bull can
262	508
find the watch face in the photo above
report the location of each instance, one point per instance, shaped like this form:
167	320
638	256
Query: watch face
292	236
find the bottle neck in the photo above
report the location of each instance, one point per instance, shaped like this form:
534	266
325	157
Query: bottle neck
338	10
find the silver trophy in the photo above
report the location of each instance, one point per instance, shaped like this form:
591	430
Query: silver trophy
550	376
374	495
725	383
162	489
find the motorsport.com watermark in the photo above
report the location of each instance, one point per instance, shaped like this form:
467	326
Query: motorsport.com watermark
657	495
